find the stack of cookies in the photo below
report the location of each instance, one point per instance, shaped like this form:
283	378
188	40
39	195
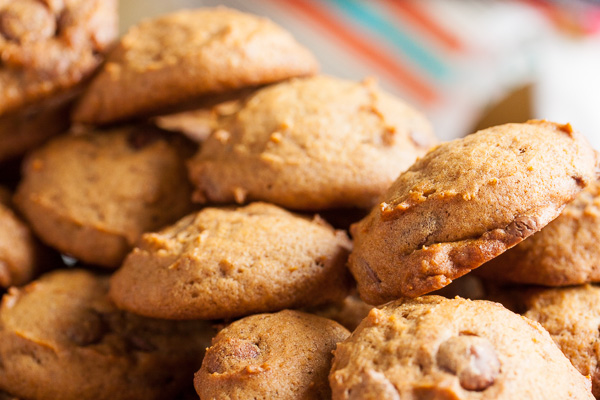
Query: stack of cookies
199	214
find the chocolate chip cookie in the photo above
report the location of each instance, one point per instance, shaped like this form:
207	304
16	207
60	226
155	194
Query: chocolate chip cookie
436	348
466	202
226	263
565	252
61	338
311	144
285	356
93	195
177	57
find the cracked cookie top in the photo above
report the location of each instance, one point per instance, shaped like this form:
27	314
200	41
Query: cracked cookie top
437	348
466	202
311	144
177	57
48	46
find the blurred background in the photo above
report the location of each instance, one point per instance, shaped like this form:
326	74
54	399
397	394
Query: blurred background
466	64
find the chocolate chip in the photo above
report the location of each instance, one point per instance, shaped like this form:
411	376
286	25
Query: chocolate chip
472	359
90	329
231	354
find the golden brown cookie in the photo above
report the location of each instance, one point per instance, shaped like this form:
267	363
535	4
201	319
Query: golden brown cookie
466	202
178	57
21	256
571	317
225	263
50	46
92	195
284	356
47	49
566	252
437	348
311	144
61	338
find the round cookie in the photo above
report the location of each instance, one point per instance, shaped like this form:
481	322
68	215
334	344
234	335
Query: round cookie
311	144
178	57
48	48
61	338
466	202
286	356
571	317
226	263
92	195
436	348
21	256
565	252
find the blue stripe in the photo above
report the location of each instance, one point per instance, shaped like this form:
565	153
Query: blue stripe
370	18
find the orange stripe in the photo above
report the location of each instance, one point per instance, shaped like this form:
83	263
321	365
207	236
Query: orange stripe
351	39
412	11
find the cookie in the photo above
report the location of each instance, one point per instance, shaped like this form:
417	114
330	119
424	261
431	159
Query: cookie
21	256
311	144
436	348
570	315
177	57
92	195
49	47
564	253
226	263
61	338
286	355
466	202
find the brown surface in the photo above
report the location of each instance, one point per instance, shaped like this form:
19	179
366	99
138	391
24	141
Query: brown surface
61	338
466	202
51	46
225	263
311	144
566	252
20	253
348	312
436	348
284	356
93	195
571	317
179	56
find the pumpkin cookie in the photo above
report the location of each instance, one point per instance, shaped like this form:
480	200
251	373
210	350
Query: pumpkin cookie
466	202
286	355
21	256
311	144
225	263
436	348
92	195
178	57
565	252
47	48
61	338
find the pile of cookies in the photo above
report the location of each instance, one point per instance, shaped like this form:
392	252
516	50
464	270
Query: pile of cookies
196	207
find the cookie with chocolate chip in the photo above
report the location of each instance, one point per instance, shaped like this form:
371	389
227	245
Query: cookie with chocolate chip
286	355
92	195
565	252
466	202
311	144
176	58
226	263
436	348
62	338
48	48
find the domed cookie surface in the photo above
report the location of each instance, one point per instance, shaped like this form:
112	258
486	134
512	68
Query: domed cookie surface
466	202
225	263
436	348
286	355
311	144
